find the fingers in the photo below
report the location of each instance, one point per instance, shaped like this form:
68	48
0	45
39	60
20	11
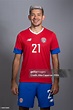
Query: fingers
54	91
14	88
14	91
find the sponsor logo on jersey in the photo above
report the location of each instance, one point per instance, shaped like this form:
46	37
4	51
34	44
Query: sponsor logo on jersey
43	39
21	100
29	39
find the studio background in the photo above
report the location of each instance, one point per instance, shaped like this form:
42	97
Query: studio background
13	19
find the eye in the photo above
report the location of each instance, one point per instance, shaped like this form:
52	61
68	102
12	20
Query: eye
39	14
32	14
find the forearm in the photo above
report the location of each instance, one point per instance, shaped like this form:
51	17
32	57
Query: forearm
56	72
55	62
15	68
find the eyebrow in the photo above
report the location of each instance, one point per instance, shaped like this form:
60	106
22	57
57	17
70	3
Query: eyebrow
37	12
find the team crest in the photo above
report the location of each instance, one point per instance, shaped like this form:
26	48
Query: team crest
21	100
43	39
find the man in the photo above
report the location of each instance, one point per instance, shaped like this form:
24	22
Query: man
35	44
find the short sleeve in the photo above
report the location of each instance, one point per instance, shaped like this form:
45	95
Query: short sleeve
54	48
18	45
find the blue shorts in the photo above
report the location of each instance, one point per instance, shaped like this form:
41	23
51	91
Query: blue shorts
28	91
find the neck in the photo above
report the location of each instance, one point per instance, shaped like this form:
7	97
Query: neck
36	29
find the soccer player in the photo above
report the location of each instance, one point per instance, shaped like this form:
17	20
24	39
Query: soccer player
36	44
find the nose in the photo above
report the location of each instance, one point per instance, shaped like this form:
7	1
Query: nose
35	16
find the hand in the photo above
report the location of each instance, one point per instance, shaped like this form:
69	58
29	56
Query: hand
55	89
14	88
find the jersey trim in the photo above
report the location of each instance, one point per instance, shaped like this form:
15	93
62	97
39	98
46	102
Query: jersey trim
55	51
35	32
17	51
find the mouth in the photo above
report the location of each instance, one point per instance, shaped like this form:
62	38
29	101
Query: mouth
35	21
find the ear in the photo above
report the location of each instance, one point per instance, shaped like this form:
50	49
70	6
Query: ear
29	17
43	17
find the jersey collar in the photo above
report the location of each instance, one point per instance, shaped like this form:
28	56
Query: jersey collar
35	32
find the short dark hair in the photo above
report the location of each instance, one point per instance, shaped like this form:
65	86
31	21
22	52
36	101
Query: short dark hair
36	7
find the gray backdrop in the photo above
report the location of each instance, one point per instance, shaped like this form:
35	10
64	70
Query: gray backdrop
13	19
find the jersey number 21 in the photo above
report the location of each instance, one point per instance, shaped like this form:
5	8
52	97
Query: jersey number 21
36	48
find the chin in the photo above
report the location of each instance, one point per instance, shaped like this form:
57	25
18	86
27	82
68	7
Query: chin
35	25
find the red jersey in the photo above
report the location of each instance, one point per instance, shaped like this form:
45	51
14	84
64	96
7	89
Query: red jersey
36	49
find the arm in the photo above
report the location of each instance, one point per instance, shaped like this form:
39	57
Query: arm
55	62
15	68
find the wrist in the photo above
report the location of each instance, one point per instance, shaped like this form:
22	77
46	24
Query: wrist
56	80
13	81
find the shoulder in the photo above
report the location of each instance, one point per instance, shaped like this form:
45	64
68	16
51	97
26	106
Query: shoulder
23	32
49	31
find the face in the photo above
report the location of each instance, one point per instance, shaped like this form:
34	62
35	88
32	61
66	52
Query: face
36	17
